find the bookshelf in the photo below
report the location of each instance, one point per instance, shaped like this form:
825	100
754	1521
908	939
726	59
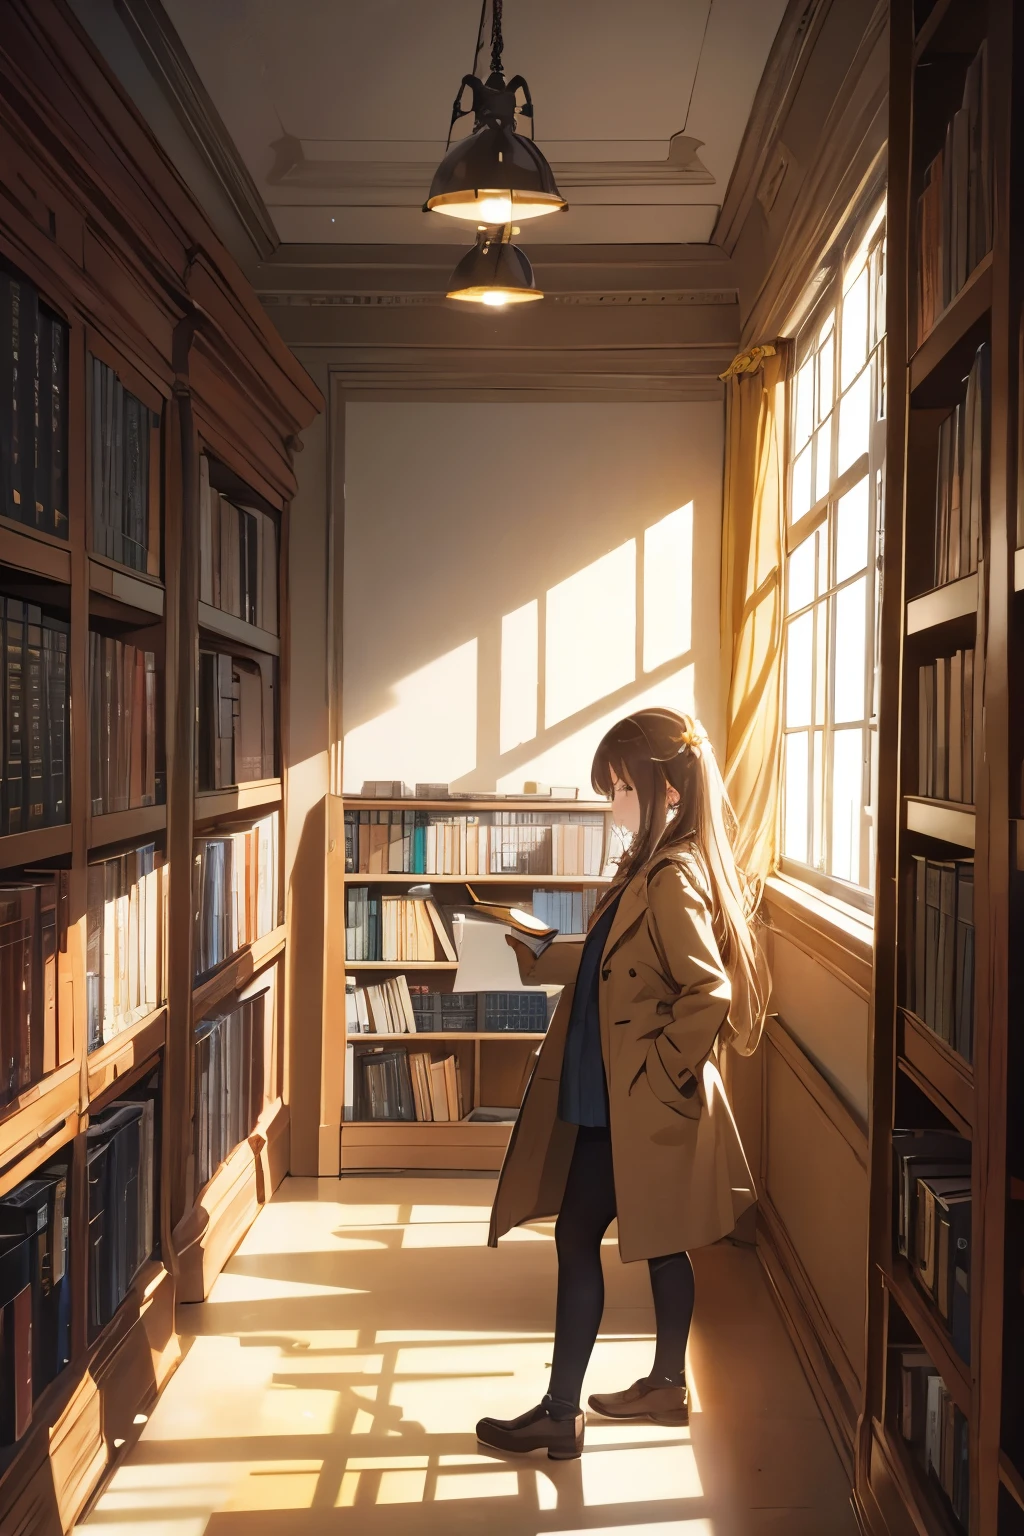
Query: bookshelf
495	1064
947	1058
164	356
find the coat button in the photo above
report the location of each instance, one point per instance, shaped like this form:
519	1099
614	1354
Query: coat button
605	975
631	971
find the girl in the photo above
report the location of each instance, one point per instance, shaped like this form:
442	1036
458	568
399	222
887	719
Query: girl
625	1114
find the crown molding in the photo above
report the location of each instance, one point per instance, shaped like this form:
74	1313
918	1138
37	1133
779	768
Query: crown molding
166	59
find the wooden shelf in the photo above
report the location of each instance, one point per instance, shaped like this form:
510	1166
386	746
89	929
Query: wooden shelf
932	1332
944	820
257	795
132	588
392	967
929	27
126	1051
449	1034
943	604
942	1074
40	553
954	325
230	628
539	880
234	973
125	826
926	1498
32	847
462	1145
1011	1479
36	1116
499	803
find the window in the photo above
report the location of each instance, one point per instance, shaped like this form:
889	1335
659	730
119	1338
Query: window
833	530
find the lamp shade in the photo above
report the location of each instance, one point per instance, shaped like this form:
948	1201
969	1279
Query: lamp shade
493	176
495	273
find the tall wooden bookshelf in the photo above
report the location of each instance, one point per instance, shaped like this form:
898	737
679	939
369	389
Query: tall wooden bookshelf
495	1066
97	220
920	1081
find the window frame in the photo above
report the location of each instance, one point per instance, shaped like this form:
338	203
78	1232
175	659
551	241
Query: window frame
824	294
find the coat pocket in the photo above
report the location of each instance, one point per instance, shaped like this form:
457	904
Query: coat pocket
687	1100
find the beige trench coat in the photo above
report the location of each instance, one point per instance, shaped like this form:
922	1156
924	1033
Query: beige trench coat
681	1178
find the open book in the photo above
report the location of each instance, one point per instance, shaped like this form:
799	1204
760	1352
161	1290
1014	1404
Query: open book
536	935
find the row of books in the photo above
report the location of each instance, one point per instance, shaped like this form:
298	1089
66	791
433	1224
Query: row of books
568	911
233	1056
33	408
236	719
124	473
35	1292
36	1005
123	726
234	891
393	1007
237	557
405	929
945	726
961	473
954	210
933	1184
934	1427
121	1171
34	717
397	789
126	941
399	1084
521	842
940	949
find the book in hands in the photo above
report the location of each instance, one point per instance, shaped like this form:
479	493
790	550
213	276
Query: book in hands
526	928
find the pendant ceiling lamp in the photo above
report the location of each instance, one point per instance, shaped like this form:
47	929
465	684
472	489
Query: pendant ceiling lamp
494	175
495	272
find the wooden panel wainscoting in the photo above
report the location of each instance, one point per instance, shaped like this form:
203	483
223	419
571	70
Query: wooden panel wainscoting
812	1227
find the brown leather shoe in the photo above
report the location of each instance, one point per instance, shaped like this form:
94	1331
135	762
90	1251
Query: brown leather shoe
535	1430
657	1401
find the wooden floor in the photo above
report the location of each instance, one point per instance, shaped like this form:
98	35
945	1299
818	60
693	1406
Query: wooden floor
334	1377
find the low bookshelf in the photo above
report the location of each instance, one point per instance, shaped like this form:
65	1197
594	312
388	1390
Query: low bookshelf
500	849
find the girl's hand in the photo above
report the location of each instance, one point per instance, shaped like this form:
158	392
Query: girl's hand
523	953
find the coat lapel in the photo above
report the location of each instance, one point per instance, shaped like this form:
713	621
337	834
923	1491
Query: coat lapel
632	904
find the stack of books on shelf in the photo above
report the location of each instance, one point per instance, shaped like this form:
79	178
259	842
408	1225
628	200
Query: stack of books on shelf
123	726
398	789
237	557
499	842
961	475
396	1008
934	1428
126	941
945	723
124	473
34	723
120	1163
35	1292
33	409
233	1062
36	1007
933	1184
568	911
954	211
234	891
236	719
395	928
940	983
399	1084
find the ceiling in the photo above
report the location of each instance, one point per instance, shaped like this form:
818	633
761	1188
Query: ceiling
338	109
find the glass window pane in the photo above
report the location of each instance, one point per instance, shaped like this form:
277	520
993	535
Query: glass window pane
818	802
800	576
799	657
855	331
826	366
823	460
794	830
823	581
801	485
848	692
803	413
854	422
821	678
847	795
852	518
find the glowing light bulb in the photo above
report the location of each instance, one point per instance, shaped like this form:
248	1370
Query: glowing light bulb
495	300
495	209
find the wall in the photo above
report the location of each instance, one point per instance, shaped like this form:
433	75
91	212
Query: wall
499	617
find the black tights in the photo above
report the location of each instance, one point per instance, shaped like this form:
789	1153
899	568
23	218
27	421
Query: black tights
588	1209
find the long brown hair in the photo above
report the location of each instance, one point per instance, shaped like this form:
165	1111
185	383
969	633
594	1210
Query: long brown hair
652	750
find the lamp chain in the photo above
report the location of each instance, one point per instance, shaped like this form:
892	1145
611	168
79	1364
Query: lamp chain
497	41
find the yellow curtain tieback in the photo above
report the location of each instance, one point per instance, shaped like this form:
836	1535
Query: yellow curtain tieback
748	362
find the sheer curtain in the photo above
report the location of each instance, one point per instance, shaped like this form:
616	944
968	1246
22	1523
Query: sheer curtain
753	596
